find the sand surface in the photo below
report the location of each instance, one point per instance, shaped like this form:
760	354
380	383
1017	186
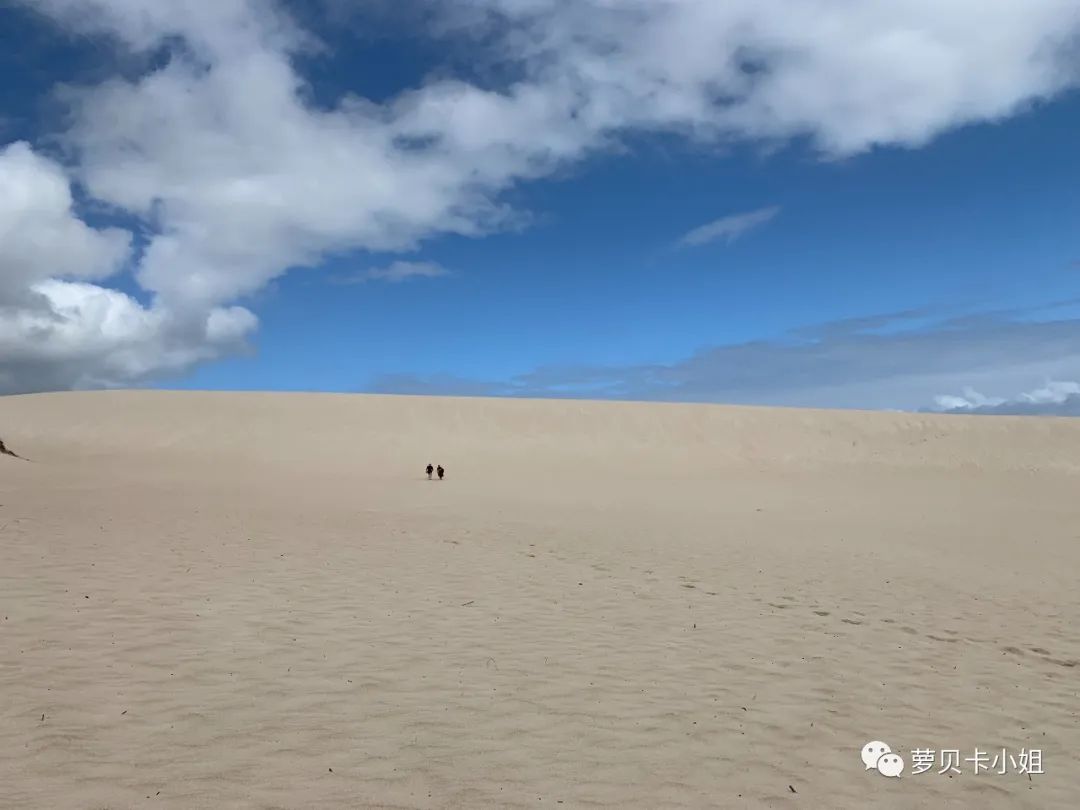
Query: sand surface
243	600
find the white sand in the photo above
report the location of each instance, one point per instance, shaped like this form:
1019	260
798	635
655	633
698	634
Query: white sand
215	599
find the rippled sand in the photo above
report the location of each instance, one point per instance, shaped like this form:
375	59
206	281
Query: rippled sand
240	600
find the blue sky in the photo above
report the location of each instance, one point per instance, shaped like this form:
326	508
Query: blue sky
369	197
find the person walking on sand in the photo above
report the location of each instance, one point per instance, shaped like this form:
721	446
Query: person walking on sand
442	472
430	470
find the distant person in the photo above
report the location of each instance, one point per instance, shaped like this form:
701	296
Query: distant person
430	470
442	472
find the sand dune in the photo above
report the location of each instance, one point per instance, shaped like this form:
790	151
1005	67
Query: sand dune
255	600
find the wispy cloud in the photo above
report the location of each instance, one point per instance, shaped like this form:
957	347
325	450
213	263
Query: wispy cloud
729	228
396	273
903	361
445	385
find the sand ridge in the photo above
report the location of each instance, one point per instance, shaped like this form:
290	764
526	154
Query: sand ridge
250	600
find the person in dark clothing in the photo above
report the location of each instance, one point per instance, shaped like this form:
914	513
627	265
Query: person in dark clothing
430	470
442	472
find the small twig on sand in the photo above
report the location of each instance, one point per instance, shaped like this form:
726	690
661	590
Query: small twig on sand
466	604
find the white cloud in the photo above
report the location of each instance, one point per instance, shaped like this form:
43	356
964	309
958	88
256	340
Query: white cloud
970	400
239	178
212	29
56	330
76	335
403	271
846	73
1055	397
728	228
40	236
1053	393
246	181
